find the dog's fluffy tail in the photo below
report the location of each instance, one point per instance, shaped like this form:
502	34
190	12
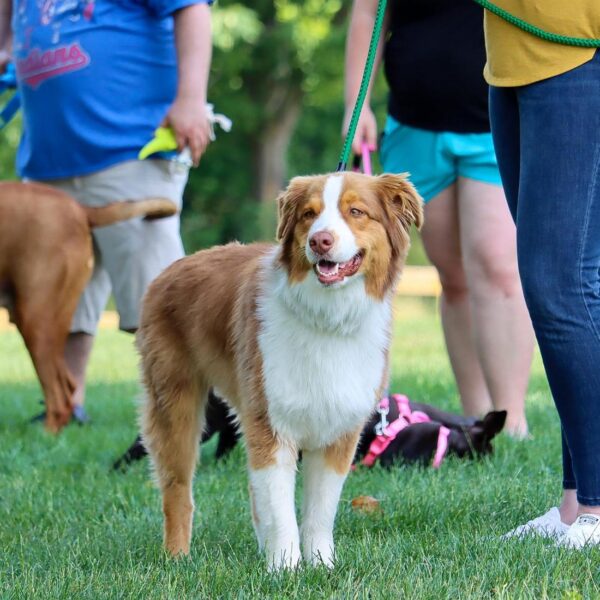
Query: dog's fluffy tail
150	208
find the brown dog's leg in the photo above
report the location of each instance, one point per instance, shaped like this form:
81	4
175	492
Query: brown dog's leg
46	295
325	471
46	347
171	427
59	405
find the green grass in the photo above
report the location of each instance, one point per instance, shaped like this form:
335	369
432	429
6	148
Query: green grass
69	528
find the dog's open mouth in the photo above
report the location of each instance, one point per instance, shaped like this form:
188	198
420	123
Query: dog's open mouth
329	272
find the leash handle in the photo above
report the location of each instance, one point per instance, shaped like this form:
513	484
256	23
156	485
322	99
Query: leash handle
363	158
366	158
364	86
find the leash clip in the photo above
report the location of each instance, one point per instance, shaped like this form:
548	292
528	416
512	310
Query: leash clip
383	422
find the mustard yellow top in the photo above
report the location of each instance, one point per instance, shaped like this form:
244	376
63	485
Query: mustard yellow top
516	57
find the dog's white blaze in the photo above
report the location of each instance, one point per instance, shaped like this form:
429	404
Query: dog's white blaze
274	514
331	220
322	490
323	354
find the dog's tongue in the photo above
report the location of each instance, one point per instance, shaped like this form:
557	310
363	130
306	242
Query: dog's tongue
326	267
329	272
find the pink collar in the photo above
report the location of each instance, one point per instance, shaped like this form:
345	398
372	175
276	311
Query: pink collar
387	432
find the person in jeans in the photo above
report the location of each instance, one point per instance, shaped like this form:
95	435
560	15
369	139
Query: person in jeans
96	79
438	130
545	113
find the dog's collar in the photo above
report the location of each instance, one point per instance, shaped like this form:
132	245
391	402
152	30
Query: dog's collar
386	432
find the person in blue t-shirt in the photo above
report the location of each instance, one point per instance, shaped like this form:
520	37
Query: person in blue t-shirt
96	78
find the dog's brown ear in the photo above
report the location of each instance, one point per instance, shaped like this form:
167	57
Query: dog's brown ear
287	202
400	194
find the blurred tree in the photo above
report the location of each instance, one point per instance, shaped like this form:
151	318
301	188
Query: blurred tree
267	60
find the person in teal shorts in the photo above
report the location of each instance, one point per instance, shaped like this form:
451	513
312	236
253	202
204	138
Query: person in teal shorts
438	130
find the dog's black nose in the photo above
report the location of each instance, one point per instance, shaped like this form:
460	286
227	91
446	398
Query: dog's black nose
321	242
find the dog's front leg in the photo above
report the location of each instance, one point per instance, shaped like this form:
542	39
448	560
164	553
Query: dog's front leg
273	509
325	471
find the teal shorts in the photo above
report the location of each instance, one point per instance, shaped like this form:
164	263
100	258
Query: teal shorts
436	159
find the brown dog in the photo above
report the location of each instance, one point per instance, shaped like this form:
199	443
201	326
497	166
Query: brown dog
46	259
295	337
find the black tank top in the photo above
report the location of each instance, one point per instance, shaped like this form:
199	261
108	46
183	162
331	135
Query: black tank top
434	59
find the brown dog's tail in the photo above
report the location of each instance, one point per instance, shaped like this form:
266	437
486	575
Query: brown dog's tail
150	208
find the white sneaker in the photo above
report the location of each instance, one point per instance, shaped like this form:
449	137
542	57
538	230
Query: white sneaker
548	525
584	532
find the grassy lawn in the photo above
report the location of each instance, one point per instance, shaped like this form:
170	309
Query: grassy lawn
69	528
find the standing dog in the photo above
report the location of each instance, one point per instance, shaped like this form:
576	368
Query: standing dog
295	337
46	259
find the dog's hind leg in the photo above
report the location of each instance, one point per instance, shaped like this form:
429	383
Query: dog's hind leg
171	426
325	471
45	341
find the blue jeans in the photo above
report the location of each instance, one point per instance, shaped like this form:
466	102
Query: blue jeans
547	139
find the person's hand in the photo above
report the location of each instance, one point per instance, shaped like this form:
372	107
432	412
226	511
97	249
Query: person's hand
187	118
366	129
5	58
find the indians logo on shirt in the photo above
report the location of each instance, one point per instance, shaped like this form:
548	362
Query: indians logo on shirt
55	10
40	65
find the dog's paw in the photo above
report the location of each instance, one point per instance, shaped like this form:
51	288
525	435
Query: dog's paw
319	552
283	557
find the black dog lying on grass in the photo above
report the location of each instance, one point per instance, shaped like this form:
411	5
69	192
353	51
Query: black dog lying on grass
423	441
467	437
218	420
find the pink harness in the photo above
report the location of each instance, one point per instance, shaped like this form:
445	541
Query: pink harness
387	432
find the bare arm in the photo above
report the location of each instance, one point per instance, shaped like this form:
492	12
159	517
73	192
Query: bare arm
5	33
187	115
362	22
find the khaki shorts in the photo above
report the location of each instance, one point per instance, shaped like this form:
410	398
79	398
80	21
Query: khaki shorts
129	254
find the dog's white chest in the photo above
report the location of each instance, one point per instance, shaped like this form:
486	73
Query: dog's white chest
322	382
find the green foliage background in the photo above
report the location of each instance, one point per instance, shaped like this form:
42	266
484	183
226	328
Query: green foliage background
262	52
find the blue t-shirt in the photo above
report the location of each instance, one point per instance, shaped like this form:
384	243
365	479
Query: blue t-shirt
96	78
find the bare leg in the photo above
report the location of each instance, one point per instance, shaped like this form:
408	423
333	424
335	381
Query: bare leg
500	322
77	355
441	239
588	510
569	507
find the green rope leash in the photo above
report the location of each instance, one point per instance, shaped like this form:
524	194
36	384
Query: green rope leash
545	35
364	86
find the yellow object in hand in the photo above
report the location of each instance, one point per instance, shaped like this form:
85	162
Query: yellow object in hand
163	141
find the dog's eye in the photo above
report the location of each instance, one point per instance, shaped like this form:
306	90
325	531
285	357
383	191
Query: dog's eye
356	212
309	214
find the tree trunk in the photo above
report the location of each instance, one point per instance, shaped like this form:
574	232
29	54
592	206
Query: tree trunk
272	145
